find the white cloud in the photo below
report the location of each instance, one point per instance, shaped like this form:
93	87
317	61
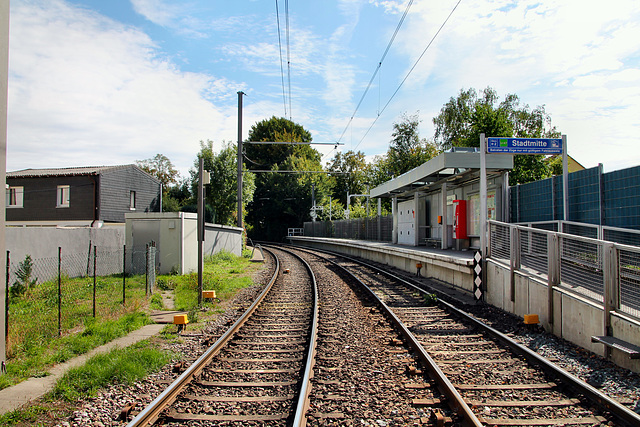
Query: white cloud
85	90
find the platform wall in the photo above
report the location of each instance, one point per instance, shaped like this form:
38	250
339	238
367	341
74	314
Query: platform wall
454	271
573	317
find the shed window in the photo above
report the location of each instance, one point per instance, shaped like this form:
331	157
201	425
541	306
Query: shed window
15	197
63	196
132	200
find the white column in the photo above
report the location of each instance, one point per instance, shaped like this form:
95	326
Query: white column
394	212
445	235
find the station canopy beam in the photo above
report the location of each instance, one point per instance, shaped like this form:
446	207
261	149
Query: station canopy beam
456	168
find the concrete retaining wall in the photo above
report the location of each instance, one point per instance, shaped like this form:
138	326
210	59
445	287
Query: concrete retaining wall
574	317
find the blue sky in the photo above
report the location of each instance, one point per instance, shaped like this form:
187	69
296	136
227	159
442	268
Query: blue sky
96	82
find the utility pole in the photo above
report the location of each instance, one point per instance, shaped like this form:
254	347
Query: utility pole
203	178
240	158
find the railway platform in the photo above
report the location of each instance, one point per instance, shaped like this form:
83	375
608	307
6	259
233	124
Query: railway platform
446	265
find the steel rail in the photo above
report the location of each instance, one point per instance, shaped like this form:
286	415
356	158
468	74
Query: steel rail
621	412
445	386
151	413
299	419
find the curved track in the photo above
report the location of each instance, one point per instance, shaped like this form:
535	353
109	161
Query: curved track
487	378
258	371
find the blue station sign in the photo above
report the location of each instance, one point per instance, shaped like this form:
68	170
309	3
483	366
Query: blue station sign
524	145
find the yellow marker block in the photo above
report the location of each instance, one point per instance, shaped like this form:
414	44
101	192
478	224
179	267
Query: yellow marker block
209	294
180	319
531	319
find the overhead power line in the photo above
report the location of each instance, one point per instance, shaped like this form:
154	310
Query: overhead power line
409	73
284	96
384	55
286	13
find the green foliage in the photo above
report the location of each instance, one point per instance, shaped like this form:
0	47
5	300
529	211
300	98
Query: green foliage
156	302
223	272
24	281
462	119
285	199
120	365
29	415
430	300
221	193
161	168
406	150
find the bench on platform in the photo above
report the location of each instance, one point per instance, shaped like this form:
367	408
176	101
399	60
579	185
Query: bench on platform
434	242
633	351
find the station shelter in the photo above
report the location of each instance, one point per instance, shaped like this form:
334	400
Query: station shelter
438	203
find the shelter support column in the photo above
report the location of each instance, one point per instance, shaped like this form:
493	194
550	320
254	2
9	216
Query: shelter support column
394	210
416	219
443	203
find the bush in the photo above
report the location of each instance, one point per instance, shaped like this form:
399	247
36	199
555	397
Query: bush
24	282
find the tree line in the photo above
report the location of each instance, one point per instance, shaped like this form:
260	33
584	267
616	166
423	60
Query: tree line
281	182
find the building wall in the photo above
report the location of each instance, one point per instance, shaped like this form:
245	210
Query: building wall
43	242
40	199
115	187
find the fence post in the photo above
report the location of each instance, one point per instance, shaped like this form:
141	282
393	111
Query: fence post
6	303
95	249
59	291
514	263
146	270
124	273
553	269
611	268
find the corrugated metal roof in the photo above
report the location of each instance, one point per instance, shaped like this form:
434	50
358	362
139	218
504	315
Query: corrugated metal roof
75	171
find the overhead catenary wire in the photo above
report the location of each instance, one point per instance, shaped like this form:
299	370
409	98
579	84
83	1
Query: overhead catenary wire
384	55
286	13
284	96
408	73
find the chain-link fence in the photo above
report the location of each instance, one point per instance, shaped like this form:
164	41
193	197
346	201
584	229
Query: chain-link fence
53	296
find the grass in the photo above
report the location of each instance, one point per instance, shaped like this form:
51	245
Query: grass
223	272
122	366
39	348
38	358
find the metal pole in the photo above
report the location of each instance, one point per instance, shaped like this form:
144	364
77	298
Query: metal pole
59	291
6	306
240	158
483	195
95	248
146	270
200	228
124	274
565	179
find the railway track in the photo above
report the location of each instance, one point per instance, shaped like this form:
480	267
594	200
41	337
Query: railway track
258	371
487	378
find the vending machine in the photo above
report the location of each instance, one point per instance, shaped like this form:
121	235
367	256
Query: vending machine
460	219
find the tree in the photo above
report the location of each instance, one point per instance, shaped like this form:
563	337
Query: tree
349	176
284	198
221	193
160	167
406	150
464	118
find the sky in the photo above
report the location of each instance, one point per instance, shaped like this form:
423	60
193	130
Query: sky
95	82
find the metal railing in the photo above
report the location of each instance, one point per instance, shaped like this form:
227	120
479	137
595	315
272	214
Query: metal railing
625	236
606	272
373	228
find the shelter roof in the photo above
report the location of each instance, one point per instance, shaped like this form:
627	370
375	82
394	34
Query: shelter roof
456	168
